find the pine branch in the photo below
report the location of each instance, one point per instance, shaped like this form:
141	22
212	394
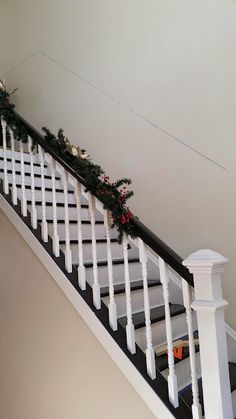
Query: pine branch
113	195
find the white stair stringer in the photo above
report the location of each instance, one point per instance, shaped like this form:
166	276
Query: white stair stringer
144	390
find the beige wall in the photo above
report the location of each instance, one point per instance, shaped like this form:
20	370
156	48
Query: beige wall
115	76
51	365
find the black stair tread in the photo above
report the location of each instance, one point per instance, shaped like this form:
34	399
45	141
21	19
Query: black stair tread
134	285
58	204
72	221
162	360
25	162
17	172
101	263
232	374
156	313
38	188
186	393
89	241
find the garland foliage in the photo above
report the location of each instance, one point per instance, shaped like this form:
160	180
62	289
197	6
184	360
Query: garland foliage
113	195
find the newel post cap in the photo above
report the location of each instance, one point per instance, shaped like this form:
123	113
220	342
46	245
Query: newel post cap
205	260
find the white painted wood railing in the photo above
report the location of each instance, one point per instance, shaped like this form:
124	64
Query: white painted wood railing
34	218
13	188
96	286
187	297
130	333
44	224
22	170
172	379
55	237
112	303
41	188
68	254
4	140
150	354
81	267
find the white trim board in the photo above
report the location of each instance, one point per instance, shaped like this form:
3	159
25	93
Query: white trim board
231	342
231	332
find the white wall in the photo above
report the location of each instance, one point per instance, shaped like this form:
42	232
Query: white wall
51	365
118	77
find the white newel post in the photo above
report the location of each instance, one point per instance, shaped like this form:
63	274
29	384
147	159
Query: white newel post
207	267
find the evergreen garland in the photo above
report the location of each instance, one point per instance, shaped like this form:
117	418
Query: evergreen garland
113	195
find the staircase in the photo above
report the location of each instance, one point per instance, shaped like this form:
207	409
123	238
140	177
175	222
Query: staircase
139	290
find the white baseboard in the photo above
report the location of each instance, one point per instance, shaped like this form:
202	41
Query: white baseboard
231	343
231	332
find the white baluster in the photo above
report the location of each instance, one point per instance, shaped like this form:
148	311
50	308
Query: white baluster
13	169
150	354
112	303
44	224
33	206
22	169
55	237
68	254
81	268
130	333
4	144
172	379
187	297
96	287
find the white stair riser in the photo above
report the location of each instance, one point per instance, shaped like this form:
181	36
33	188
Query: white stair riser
37	181
137	298
48	196
156	298
176	293
116	249
118	273
179	329
183	372
37	169
17	155
85	215
234	402
86	231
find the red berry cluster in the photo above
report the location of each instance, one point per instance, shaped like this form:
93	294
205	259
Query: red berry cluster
6	103
122	196
106	179
125	218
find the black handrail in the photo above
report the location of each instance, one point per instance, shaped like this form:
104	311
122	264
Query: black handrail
164	251
156	244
